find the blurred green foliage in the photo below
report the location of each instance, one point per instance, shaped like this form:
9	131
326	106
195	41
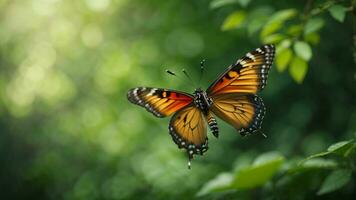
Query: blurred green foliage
68	132
340	167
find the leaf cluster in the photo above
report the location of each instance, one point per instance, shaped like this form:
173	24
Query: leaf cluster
294	32
275	174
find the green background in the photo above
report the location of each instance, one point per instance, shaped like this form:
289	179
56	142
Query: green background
68	131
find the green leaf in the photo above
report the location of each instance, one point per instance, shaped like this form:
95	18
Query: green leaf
338	145
221	183
276	21
313	38
313	25
298	69
270	28
262	170
283	45
303	50
283	58
336	180
349	152
244	3
220	3
274	38
341	148
338	12
257	18
316	155
319	163
283	15
233	20
295	30
314	163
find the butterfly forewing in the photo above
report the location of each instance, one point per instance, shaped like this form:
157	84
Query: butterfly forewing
160	102
188	128
244	112
247	75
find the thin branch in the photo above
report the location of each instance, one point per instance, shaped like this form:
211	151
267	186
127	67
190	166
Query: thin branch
324	7
307	8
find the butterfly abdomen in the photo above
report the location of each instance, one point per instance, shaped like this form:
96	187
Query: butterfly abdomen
213	125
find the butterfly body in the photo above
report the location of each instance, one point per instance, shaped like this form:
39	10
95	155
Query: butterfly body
232	97
202	101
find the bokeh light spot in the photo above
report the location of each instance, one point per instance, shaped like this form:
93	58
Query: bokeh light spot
98	5
62	32
92	35
44	7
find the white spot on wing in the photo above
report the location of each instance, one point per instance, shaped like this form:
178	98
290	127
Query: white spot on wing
249	55
151	92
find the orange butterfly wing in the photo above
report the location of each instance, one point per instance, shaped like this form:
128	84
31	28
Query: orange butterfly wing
244	112
233	93
159	102
189	131
247	75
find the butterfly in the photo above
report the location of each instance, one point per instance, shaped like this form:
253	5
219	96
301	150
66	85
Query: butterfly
231	97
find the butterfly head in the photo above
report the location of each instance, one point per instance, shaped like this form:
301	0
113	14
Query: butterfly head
198	90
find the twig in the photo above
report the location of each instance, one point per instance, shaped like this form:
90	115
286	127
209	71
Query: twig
324	7
307	8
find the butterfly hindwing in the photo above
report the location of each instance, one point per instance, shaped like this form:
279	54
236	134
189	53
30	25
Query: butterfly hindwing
188	128
244	112
160	102
247	75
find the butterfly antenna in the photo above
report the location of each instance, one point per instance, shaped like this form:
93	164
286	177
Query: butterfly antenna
264	135
201	70
187	75
175	75
170	72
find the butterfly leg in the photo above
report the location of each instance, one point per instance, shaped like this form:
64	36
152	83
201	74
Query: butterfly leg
190	157
213	125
